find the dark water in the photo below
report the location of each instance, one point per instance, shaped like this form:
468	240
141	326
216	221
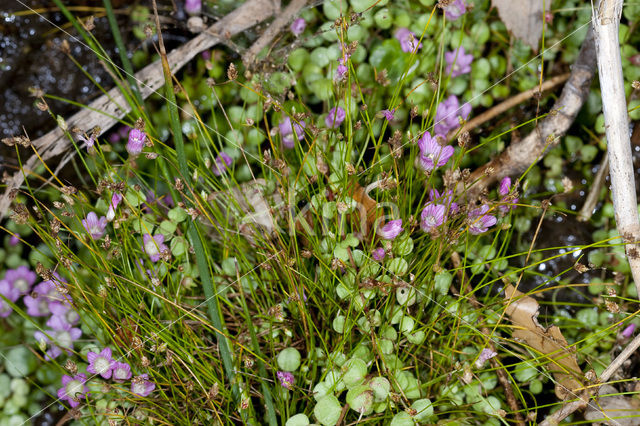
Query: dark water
30	56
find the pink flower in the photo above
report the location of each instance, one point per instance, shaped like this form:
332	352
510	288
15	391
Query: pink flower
341	73
346	54
391	229
37	306
123	131
115	200
73	389
455	9
408	40
628	331
136	141
14	240
432	154
101	363
485	355
447	115
508	203
62	313
388	114
222	163
548	17
142	386
154	246
432	216
505	186
458	62
298	26
8	290
45	295
286	379
22	278
61	336
479	221
94	226
378	254
335	117
290	133
445	198
193	7
88	141
121	372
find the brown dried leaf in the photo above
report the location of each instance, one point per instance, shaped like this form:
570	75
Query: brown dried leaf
613	409
523	18
359	194
523	311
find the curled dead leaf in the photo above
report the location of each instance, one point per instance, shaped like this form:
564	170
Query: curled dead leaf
546	342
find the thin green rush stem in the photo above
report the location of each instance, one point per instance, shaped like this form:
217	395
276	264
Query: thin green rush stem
201	259
271	413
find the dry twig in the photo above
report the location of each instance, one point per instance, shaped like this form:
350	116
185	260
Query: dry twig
573	406
594	193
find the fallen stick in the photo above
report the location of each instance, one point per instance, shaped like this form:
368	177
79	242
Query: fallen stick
105	111
509	103
519	156
616	123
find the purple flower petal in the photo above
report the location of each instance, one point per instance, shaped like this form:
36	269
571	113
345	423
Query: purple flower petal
479	221
455	9
286	379
335	117
136	141
298	26
291	131
458	62
378	254
432	154
193	7
408	40
432	216
391	229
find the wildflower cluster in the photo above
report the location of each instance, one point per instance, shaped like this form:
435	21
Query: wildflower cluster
74	388
50	299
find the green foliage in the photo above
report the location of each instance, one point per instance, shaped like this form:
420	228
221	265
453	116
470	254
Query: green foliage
278	274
